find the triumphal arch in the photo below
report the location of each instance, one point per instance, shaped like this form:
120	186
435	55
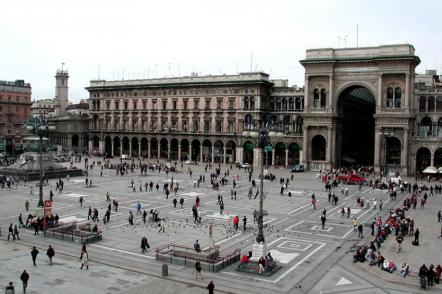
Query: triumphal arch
359	107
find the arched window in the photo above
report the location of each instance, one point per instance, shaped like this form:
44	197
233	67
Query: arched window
284	103
195	126
323	98
426	128
316	102
298	104
423	104
286	124
439	104
248	124
246	103
299	123
390	97
252	103
291	103
439	128
431	104
397	97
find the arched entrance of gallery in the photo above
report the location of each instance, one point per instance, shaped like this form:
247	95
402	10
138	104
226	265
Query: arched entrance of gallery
356	106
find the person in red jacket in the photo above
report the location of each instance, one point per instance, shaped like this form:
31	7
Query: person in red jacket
235	222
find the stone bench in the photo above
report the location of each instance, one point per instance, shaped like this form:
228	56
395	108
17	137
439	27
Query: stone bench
252	267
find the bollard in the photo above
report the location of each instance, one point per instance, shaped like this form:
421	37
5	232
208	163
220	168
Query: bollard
165	271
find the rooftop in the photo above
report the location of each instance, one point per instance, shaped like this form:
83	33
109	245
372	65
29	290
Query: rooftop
192	80
396	51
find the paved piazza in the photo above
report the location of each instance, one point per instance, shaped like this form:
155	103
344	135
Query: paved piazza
314	260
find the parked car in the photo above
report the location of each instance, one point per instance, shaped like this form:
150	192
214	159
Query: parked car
245	165
124	156
190	162
298	168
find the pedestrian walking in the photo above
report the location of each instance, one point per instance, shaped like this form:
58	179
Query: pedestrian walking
197	268
11	232
50	253
416	236
34	253
244	221
161	226
360	231
84	260
144	245
175	202
323	219
27	203
81	201
24	277
211	287
15	234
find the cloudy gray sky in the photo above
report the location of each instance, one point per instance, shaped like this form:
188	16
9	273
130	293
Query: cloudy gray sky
172	37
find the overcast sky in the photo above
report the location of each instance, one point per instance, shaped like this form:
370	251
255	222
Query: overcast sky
165	37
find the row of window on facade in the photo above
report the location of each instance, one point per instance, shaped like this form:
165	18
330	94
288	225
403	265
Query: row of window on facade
156	103
394	97
288	125
283	103
17	98
430	104
173	92
426	128
163	124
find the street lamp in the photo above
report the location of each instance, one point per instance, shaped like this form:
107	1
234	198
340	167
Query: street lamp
41	128
386	134
263	138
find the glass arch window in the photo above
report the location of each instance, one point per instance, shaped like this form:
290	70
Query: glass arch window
423	104
390	97
397	97
431	103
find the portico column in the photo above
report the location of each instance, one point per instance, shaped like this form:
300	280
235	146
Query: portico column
404	154
158	149
330	94
201	153
377	152
148	149
112	147
121	146
286	157
432	157
305	146
189	156
130	147
168	150
273	156
213	154
380	91
407	90
179	152
139	148
224	155
329	148
306	93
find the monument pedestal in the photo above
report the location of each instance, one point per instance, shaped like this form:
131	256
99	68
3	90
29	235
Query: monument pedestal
258	250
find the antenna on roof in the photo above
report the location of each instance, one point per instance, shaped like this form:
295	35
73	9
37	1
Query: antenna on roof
357	35
62	65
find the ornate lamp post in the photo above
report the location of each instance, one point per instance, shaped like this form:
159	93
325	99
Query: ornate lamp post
263	137
41	128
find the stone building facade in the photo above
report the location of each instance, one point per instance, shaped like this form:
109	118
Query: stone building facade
15	109
358	106
187	118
